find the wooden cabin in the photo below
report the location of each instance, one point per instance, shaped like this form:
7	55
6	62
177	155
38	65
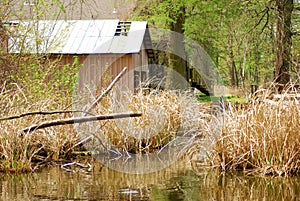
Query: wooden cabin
103	47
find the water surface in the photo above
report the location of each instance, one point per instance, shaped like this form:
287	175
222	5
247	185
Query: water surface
172	184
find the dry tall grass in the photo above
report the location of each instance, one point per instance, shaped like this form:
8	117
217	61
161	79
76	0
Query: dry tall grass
165	115
263	137
22	154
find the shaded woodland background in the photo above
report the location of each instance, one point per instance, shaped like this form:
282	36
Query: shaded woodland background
249	42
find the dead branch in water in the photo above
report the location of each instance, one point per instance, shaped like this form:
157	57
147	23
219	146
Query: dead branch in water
66	121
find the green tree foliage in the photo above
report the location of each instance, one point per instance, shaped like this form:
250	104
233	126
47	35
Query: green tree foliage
171	15
239	35
42	76
38	74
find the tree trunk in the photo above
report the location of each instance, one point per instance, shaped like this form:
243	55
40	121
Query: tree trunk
233	71
256	66
284	10
176	62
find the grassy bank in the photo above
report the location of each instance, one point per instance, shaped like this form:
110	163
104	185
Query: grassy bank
262	136
228	97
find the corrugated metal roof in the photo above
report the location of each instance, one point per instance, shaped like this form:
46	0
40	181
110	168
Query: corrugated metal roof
77	37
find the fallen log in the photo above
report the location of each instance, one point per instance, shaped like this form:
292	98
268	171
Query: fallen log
74	120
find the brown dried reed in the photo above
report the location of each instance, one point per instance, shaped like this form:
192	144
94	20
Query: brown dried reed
262	137
166	114
22	154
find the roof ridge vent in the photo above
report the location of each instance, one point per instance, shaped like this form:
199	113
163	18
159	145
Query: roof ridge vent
123	28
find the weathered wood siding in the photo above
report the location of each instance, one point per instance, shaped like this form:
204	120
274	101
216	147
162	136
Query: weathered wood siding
98	70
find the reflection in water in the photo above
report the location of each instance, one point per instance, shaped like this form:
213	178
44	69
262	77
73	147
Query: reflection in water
170	184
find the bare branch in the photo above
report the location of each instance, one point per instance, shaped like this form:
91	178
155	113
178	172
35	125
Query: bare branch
265	13
107	90
66	121
41	113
